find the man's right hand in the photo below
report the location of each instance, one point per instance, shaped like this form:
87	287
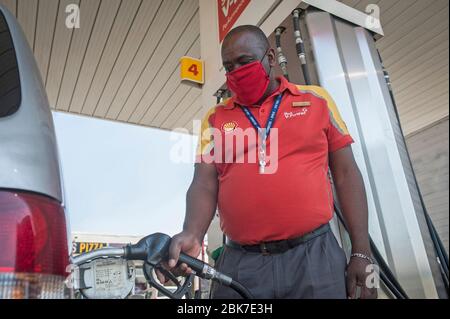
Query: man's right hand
182	242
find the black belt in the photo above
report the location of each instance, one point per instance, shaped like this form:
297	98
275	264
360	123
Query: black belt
279	246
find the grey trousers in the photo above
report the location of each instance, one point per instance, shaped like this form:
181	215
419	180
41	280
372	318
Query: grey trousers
313	270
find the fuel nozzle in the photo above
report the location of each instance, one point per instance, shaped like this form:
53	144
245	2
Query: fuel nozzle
154	249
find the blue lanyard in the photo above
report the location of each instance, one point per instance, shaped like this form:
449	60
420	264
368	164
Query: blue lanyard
270	121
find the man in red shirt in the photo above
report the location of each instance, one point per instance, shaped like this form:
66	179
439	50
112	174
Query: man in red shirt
263	161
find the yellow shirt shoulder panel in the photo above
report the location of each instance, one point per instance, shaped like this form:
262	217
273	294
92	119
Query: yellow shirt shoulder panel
335	116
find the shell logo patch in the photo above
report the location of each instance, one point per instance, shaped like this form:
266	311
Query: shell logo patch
229	126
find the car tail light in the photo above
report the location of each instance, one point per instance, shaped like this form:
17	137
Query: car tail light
33	247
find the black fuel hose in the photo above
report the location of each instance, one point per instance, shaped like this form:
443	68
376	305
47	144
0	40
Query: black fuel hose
278	37
241	290
395	285
282	61
391	286
219	96
300	46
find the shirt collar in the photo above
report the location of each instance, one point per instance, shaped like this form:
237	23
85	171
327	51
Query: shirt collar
231	103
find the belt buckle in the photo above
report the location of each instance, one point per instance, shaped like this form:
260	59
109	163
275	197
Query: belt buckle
264	250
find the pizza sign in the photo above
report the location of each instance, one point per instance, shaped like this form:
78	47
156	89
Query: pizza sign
229	12
85	247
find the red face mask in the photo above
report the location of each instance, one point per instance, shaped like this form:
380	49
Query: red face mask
248	83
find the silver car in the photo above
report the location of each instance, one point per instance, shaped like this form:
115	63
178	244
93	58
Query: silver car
33	228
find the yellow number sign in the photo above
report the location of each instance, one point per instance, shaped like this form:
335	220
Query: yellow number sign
192	70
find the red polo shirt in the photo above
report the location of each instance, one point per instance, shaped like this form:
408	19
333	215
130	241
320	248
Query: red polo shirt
295	196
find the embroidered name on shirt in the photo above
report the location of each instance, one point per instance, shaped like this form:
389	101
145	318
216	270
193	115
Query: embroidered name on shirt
289	115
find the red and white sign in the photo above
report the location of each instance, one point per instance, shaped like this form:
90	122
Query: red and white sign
229	12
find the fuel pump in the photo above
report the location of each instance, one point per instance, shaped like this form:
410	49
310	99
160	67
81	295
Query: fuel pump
153	250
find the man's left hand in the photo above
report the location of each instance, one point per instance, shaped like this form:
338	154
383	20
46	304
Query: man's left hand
357	273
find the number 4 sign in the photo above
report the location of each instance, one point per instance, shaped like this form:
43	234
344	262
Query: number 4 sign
192	70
